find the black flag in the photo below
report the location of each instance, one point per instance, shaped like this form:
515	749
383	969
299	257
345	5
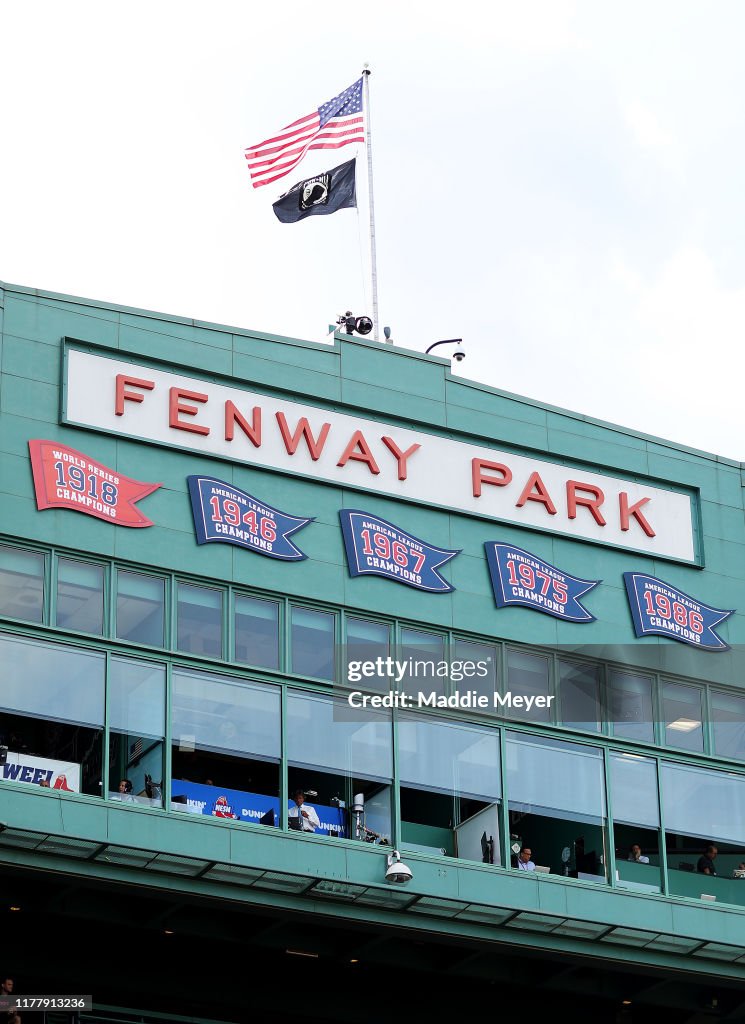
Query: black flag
325	193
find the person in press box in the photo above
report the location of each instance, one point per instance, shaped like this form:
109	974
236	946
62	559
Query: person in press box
635	854
705	865
524	859
303	817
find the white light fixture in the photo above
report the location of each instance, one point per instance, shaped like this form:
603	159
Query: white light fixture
684	725
397	870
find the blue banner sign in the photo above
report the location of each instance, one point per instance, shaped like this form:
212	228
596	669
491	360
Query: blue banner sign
226	514
237	805
657	608
519	578
378	548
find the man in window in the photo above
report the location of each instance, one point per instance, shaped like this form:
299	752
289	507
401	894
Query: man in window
124	793
635	854
524	862
705	864
303	817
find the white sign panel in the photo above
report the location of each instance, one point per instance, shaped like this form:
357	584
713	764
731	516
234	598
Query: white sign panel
41	771
171	408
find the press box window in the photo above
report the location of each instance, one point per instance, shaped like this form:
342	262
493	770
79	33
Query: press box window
199	620
312	642
451	788
528	676
257	632
556	794
137	707
485	679
80	588
225	748
424	654
579	692
728	724
630	706
342	758
21	584
702	807
140	608
636	821
51	714
366	641
681	709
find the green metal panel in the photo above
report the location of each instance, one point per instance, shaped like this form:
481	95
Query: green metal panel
388	383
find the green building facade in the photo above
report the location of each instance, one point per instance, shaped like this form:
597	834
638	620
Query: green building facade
175	695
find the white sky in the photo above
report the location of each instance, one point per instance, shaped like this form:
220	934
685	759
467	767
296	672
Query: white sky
560	184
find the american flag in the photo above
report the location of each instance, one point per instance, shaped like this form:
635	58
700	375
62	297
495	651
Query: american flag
334	124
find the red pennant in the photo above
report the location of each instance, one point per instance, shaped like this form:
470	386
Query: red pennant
65	478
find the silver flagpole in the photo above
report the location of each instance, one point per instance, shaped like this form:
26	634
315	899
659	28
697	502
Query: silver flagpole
373	252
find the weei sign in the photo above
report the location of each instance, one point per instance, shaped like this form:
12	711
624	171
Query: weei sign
170	408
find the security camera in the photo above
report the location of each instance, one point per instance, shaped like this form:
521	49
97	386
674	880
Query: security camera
397	870
458	356
351	323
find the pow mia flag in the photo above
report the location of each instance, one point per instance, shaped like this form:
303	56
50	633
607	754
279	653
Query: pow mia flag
324	193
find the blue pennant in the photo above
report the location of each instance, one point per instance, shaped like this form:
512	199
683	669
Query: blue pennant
660	609
520	578
228	515
378	548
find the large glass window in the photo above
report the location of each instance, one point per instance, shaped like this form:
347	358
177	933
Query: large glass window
705	802
140	608
681	710
80	602
312	643
704	814
226	747
451	788
257	632
728	724
342	759
528	676
556	793
51	714
579	692
630	705
21	584
199	620
636	821
137	706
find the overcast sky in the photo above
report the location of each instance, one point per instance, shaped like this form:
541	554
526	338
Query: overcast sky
560	184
